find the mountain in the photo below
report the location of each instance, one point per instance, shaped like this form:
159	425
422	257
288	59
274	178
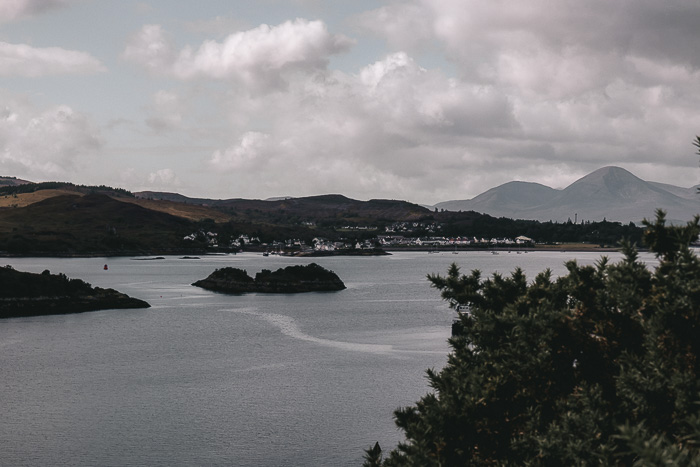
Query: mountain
505	200
12	181
610	193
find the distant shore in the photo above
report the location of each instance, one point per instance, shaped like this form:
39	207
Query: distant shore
577	247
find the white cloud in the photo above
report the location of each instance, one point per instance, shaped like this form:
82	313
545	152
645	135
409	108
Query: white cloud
166	112
24	60
164	178
44	143
390	130
259	57
11	10
373	74
150	48
251	150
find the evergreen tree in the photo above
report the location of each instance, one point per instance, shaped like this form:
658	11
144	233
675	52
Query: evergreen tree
598	367
373	456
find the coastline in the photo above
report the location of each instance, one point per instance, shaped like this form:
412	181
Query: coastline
578	247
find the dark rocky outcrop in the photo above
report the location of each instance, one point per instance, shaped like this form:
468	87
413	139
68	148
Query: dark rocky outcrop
26	294
292	279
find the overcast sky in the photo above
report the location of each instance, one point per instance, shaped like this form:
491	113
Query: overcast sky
422	100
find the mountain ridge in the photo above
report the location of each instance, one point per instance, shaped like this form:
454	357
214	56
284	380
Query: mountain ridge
610	193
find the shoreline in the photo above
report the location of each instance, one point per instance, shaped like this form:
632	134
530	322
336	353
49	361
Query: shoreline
574	247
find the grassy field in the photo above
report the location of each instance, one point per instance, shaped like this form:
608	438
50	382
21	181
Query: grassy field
185	211
25	199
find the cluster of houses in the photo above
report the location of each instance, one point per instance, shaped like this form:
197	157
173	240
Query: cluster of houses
322	244
398	240
212	239
408	227
382	241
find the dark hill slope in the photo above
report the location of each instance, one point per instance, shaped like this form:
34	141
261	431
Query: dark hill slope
71	224
312	208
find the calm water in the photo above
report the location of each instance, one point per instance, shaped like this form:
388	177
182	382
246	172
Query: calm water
209	379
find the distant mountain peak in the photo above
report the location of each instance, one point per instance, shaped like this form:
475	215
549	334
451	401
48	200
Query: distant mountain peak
610	192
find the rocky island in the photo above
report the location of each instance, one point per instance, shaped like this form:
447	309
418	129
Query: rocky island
292	279
27	294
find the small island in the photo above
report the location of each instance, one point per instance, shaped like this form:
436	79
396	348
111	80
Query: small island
26	294
292	279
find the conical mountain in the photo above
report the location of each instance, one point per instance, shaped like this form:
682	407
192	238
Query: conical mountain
613	193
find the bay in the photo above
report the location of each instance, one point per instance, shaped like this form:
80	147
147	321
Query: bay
209	379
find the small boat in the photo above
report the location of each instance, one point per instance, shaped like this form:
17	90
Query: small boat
266	253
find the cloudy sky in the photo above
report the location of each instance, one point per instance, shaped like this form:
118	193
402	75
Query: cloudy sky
423	100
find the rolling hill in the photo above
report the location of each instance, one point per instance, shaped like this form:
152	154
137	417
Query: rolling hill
320	208
74	224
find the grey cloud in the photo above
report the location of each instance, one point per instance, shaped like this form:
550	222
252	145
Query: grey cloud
166	112
260	58
544	92
597	82
152	48
11	10
24	60
48	142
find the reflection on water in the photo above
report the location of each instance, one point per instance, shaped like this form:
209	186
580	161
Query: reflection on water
289	327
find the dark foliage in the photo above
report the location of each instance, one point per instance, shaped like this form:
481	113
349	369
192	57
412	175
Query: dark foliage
232	274
473	224
85	189
73	224
25	294
373	456
598	367
23	284
309	272
292	279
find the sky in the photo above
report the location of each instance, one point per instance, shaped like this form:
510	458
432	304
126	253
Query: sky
420	100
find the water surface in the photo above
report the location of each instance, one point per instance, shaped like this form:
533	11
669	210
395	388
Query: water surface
209	379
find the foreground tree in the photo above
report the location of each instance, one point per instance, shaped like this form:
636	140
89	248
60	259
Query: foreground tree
598	367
